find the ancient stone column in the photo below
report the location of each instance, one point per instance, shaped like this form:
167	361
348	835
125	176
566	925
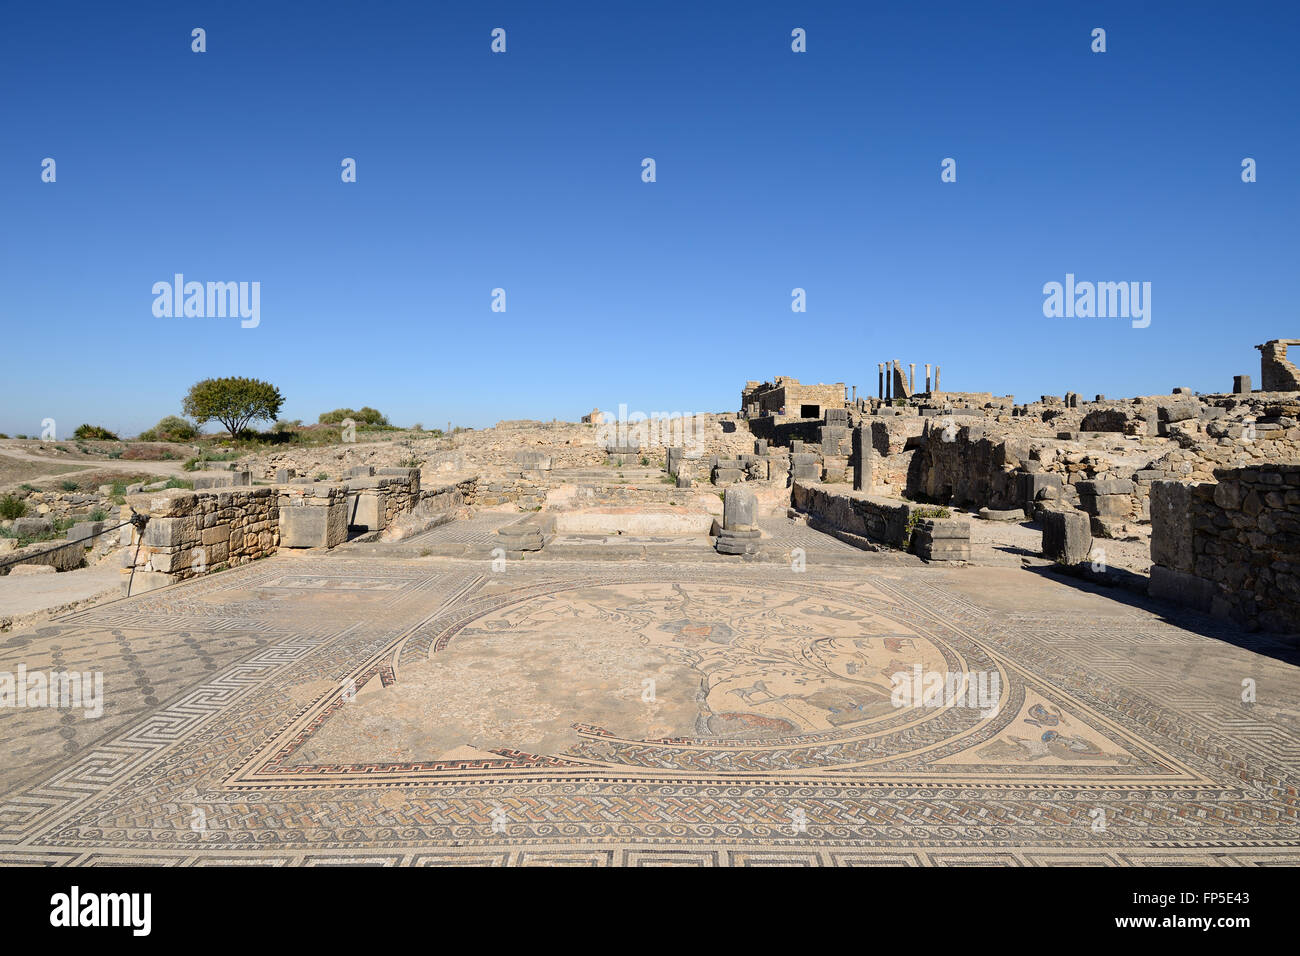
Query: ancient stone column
927	378
889	380
911	377
855	395
862	458
936	378
880	366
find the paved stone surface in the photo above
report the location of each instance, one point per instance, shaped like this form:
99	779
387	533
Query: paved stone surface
340	708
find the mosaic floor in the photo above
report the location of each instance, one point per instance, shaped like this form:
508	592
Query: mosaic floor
356	709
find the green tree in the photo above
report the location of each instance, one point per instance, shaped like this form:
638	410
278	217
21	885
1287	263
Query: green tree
234	402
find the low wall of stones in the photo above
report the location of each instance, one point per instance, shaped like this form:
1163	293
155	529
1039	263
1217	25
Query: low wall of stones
856	514
966	466
958	463
60	556
450	495
524	491
1231	546
57	505
377	498
192	532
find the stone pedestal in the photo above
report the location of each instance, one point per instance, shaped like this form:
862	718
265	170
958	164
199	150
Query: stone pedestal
1067	536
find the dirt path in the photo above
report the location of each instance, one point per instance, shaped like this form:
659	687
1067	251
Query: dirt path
12	477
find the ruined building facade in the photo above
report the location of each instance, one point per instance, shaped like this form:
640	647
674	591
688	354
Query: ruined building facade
785	397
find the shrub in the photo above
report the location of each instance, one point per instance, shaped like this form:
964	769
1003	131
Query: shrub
171	428
234	402
11	507
99	514
93	433
362	416
69	485
192	464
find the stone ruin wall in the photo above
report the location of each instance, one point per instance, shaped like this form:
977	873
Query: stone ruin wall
1277	372
982	463
1231	546
192	532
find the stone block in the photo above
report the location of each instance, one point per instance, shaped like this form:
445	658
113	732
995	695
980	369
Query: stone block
86	531
222	479
1031	486
1171	524
143	581
27	527
1178	411
1241	384
172	561
314	526
738	509
736	542
1067	536
217	534
1013	514
674	460
284	475
941	539
945	527
172	532
864	459
1114	486
1107	506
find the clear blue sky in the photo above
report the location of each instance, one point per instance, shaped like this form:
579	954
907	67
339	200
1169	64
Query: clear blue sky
523	171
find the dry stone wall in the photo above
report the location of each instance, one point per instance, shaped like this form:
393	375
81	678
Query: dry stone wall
1231	546
193	532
